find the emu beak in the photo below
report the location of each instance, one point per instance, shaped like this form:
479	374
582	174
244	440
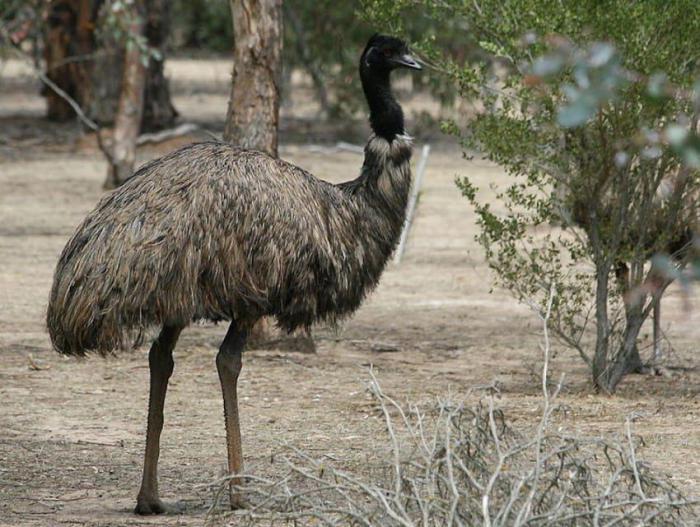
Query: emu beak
407	61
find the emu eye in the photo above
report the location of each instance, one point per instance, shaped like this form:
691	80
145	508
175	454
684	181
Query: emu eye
387	53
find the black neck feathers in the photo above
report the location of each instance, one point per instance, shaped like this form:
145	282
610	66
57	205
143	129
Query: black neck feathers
385	114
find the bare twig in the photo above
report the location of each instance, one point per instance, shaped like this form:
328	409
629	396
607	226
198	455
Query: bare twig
453	465
92	125
164	135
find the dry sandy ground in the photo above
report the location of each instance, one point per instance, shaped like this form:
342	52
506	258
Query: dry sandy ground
72	432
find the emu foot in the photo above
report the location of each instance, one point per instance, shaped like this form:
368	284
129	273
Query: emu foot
146	506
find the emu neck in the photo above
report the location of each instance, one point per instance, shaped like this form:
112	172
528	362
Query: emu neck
381	191
385	114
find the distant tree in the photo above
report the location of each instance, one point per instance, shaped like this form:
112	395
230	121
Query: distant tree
69	46
315	43
202	25
84	54
330	63
306	56
131	98
253	111
158	109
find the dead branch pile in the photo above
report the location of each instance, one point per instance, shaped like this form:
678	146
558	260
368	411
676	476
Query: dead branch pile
459	465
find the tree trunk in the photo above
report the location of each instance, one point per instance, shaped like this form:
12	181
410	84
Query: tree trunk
128	119
602	344
626	359
252	119
91	71
158	111
253	112
611	365
106	73
69	37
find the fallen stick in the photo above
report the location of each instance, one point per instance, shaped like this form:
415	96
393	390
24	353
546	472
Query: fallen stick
164	135
412	204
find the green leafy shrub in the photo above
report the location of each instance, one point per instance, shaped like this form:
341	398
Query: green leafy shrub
592	196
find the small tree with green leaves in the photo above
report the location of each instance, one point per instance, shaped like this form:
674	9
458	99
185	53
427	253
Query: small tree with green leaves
593	192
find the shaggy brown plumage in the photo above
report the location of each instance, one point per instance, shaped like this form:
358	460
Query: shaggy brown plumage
214	232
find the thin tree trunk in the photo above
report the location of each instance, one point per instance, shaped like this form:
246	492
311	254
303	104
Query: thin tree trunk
602	344
627	359
128	119
158	111
253	113
657	354
611	365
106	76
634	362
69	35
252	119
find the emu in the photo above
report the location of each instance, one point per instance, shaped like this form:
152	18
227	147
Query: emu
216	232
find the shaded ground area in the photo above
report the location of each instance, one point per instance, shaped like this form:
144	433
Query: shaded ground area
72	432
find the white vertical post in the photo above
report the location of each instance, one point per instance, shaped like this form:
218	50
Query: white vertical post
411	209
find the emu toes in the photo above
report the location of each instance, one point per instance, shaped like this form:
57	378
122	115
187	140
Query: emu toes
148	506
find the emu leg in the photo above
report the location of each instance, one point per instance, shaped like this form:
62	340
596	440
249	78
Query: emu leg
160	362
228	363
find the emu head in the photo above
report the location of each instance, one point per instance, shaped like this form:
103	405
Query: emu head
384	54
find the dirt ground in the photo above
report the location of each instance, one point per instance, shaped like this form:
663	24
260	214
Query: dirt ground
72	431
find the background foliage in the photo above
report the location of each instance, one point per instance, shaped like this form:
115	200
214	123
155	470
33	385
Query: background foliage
579	133
322	38
589	106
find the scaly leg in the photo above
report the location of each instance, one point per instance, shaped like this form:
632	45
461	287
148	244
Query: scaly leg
228	363
160	362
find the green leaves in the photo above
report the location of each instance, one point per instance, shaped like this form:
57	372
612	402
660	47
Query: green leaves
580	108
690	152
685	143
120	16
658	85
594	75
548	65
601	161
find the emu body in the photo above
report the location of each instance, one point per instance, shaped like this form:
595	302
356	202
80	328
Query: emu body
216	232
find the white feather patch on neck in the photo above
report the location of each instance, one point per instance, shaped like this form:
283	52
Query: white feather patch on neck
395	160
395	148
